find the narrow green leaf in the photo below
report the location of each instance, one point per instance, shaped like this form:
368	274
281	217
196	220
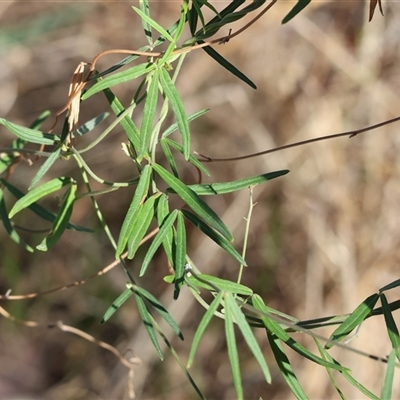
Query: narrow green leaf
61	221
159	308
45	167
323	352
140	225
149	112
387	387
118	78
127	124
347	374
156	26
393	332
121	299
146	318
232	349
203	326
169	157
216	237
166	58
162	214
194	202
193	160
285	367
278	331
138	198
300	6
391	285
38	122
8	226
144	7
41	211
178	109
38	193
227	65
354	319
30	135
91	124
221	284
158	239
180	254
229	187
174	127
248	335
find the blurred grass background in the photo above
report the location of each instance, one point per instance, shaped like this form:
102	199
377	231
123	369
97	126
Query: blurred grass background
323	237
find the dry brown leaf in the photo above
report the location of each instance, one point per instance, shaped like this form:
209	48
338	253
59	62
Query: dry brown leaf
372	6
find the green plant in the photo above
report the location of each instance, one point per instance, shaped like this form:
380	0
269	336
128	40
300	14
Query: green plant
233	302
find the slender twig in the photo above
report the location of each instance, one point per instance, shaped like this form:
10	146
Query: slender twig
351	134
247	232
103	271
78	87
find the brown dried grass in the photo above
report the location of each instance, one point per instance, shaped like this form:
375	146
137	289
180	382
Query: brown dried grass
323	237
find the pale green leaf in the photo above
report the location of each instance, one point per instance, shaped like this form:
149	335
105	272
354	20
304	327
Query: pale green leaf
194	202
38	193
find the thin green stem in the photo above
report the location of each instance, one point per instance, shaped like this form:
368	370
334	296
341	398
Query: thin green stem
82	162
120	117
95	204
246	233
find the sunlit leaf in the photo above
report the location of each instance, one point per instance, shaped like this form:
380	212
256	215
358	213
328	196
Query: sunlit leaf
354	320
279	332
91	124
157	305
203	325
180	254
232	349
216	237
207	189
158	239
140	225
155	25
194	202
247	334
285	367
169	157
38	193
387	387
41	211
138	198
149	111
45	167
148	324
179	111
30	135
162	214
144	7
191	117
127	124
118	78
193	160
347	374
221	284
118	302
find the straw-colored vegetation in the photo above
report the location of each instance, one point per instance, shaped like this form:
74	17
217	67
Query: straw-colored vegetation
322	238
